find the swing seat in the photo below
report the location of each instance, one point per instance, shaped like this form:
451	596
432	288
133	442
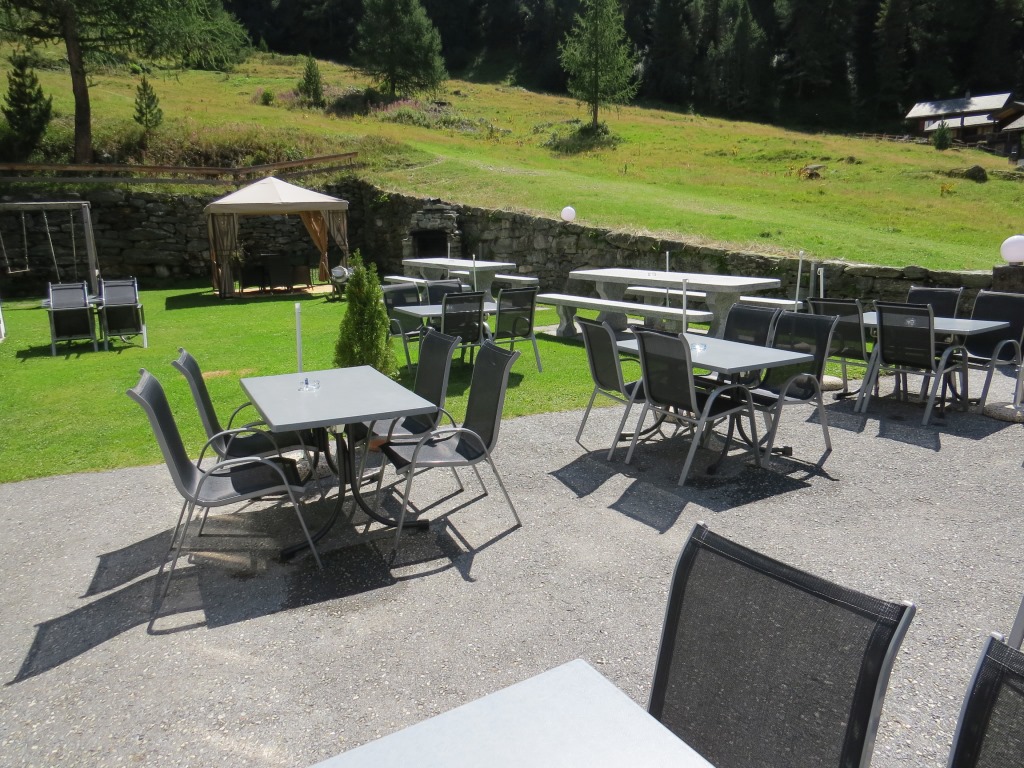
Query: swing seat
121	312
71	315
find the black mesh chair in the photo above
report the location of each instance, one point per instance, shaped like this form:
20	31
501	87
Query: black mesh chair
462	315
514	321
249	440
992	350
121	312
849	340
432	371
906	345
226	482
762	664
669	391
71	315
606	373
403	326
750	325
945	302
435	290
800	383
464	446
990	731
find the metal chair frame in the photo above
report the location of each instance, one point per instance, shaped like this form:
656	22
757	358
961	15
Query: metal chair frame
71	316
514	321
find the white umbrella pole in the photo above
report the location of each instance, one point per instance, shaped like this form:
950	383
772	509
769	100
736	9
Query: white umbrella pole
799	276
474	271
298	333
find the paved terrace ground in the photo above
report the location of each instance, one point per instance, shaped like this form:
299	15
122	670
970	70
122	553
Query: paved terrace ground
267	664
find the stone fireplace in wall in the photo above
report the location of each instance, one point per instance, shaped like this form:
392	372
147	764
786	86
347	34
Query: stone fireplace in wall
433	231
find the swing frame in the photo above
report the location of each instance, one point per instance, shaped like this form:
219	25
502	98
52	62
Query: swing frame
70	205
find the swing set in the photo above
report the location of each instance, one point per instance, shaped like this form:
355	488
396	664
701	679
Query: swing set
45	209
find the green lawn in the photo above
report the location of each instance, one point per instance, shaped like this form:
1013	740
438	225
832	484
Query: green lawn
69	413
673	174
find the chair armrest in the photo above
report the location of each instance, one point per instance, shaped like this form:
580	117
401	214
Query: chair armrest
234	413
445	433
230	434
227	463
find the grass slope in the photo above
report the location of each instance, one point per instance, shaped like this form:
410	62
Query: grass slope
672	174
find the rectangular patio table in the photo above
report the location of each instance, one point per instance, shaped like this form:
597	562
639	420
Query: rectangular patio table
432	311
722	290
942	326
435	268
343	397
568	716
729	357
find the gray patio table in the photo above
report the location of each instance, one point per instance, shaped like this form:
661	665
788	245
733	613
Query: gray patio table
435	268
722	290
431	311
568	716
729	357
943	326
342	397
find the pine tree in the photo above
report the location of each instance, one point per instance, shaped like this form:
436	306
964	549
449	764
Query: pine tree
27	112
147	107
311	87
399	48
364	337
598	57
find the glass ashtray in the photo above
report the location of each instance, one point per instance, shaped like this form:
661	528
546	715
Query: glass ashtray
697	347
309	385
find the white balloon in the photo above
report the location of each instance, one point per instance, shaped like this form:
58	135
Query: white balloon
1012	249
568	213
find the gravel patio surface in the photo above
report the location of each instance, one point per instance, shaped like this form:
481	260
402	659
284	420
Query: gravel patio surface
255	662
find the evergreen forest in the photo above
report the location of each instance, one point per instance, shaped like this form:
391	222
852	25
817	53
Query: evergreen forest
839	64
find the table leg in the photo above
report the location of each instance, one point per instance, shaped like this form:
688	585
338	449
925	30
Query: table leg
719	303
347	470
612	292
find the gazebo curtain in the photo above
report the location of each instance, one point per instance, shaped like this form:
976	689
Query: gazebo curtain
223	232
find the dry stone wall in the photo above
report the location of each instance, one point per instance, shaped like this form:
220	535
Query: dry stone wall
162	238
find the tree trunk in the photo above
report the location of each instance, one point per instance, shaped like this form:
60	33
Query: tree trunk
79	86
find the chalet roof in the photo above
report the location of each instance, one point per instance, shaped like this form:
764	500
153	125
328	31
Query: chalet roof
1016	125
969	121
962	106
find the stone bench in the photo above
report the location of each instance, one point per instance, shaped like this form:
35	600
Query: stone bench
650	292
766	301
525	281
567	305
405	279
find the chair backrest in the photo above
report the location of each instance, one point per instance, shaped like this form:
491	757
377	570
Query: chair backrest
189	368
437	289
944	302
435	364
751	325
801	332
849	339
115	292
487	391
995	305
602	355
402	295
68	296
762	664
149	394
462	314
666	371
990	731
516	308
906	334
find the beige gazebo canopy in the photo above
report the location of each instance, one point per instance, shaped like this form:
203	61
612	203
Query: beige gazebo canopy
322	214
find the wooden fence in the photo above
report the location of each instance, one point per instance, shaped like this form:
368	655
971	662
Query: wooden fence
107	173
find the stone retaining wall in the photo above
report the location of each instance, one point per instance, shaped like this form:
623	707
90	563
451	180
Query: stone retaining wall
161	238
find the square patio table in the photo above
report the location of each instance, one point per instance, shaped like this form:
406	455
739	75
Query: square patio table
729	357
722	290
345	396
568	716
436	268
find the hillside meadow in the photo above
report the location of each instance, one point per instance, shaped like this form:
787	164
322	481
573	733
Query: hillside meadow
669	174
